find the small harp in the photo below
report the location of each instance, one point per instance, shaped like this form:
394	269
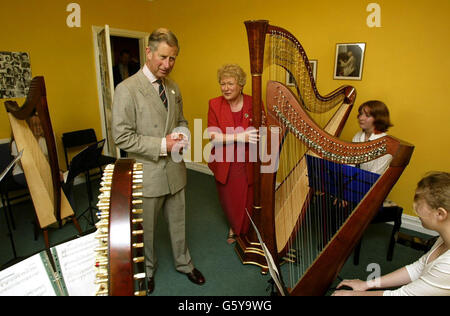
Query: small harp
42	176
273	49
120	269
299	223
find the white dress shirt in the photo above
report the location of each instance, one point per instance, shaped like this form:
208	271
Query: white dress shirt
155	85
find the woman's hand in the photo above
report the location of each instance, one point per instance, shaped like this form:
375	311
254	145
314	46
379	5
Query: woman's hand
249	136
355	285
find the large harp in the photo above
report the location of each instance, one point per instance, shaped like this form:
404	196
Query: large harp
120	255
273	49
42	175
306	225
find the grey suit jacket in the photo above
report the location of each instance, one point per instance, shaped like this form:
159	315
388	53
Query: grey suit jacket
140	121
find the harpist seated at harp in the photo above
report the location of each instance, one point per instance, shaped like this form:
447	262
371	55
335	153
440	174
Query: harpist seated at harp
341	187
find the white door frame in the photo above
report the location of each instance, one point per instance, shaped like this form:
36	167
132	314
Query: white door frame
143	43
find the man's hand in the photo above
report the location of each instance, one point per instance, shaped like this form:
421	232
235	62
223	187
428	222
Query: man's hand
176	142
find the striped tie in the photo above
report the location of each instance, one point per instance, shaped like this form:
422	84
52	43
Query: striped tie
162	92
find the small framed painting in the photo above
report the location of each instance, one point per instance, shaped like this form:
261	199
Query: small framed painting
290	80
349	61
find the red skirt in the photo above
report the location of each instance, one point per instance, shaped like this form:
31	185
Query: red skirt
235	196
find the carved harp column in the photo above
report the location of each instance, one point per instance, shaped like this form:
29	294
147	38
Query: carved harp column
120	259
284	54
42	176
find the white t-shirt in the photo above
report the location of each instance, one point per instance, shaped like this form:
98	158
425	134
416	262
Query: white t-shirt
428	278
378	165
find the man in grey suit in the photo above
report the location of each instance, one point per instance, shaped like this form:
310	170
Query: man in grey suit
147	112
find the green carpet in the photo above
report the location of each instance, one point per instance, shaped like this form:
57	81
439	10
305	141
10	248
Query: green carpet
206	228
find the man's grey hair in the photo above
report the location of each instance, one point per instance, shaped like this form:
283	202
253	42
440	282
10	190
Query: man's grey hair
162	35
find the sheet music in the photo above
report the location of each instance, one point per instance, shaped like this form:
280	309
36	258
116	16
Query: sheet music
270	263
27	278
76	259
3	174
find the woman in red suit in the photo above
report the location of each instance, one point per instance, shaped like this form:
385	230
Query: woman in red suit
231	132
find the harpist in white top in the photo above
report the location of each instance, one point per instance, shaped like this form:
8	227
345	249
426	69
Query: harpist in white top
373	118
378	165
430	275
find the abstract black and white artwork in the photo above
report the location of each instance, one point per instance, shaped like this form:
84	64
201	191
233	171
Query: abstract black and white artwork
15	74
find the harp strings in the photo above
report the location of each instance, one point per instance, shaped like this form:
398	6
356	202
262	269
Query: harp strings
321	213
299	209
288	54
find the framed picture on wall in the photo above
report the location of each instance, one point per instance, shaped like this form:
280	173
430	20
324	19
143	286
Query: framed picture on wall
349	61
290	80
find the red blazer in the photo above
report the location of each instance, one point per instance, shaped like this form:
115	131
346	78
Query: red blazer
219	115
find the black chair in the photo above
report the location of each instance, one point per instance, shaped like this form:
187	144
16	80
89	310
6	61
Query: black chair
82	138
385	215
13	187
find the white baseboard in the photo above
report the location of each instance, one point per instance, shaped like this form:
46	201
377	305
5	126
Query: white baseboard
413	223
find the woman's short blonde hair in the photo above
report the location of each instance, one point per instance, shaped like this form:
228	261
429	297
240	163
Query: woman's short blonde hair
234	71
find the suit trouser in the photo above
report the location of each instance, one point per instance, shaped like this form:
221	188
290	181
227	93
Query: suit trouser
173	207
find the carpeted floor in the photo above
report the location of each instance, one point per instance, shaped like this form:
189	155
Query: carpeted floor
206	233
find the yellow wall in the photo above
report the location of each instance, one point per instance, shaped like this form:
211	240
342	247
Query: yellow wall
405	65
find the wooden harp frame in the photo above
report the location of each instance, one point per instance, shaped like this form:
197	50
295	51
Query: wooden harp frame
48	173
120	260
247	247
286	113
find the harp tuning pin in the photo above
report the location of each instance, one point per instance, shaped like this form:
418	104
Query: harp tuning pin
139	276
101	281
99	263
138	259
137	220
101	236
137	232
101	249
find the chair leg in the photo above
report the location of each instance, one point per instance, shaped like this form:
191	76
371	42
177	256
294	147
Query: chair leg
35	230
9	210
356	252
46	239
394	234
393	240
77	225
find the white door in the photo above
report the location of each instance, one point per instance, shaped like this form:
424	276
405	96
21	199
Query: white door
107	87
105	78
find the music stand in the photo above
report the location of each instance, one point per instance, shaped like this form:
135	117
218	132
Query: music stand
83	162
345	182
2	176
